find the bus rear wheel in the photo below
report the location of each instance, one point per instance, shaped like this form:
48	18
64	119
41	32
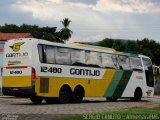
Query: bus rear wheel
64	95
77	95
36	100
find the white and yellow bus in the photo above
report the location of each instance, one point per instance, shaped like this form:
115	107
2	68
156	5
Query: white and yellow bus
40	69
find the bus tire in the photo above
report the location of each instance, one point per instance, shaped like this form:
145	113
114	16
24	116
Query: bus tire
64	95
137	94
36	100
78	94
111	99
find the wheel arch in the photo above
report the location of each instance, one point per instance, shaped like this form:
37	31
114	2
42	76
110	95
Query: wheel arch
66	85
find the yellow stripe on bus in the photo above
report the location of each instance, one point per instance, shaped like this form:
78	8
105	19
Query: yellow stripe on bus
92	87
102	85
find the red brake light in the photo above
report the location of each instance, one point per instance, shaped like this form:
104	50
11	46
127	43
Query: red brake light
22	66
9	67
33	73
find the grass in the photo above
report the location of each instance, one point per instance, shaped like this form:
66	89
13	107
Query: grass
125	114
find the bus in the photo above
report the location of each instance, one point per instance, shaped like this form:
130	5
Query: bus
43	70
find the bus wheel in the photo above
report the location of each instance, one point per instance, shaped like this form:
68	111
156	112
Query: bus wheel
64	95
36	100
78	95
112	99
137	94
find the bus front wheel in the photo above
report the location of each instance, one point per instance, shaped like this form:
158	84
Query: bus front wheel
137	94
64	95
36	100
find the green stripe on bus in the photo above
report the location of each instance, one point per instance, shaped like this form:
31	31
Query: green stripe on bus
113	84
122	83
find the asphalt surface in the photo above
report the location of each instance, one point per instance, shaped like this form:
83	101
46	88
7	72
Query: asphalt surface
12	108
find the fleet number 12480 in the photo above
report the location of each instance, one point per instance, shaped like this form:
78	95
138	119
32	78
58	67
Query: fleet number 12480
51	69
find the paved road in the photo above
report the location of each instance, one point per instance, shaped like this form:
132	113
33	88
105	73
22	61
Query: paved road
19	108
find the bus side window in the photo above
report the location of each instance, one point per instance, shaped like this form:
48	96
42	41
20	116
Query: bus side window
50	54
136	63
77	57
63	56
115	61
93	59
147	63
41	53
124	62
107	61
148	71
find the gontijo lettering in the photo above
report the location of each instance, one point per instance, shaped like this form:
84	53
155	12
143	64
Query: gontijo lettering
86	72
24	54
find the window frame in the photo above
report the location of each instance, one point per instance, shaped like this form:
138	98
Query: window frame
43	53
111	57
133	68
122	65
56	55
81	51
45	46
93	65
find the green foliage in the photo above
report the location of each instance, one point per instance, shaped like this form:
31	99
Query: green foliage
65	32
106	43
146	47
47	33
131	47
65	22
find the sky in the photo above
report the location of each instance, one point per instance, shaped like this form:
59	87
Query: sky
92	20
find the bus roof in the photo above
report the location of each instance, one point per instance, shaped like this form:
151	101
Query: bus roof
92	46
83	47
77	46
143	56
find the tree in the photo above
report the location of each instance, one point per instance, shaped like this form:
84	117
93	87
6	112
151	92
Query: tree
9	28
145	46
47	33
119	45
65	32
131	47
106	43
